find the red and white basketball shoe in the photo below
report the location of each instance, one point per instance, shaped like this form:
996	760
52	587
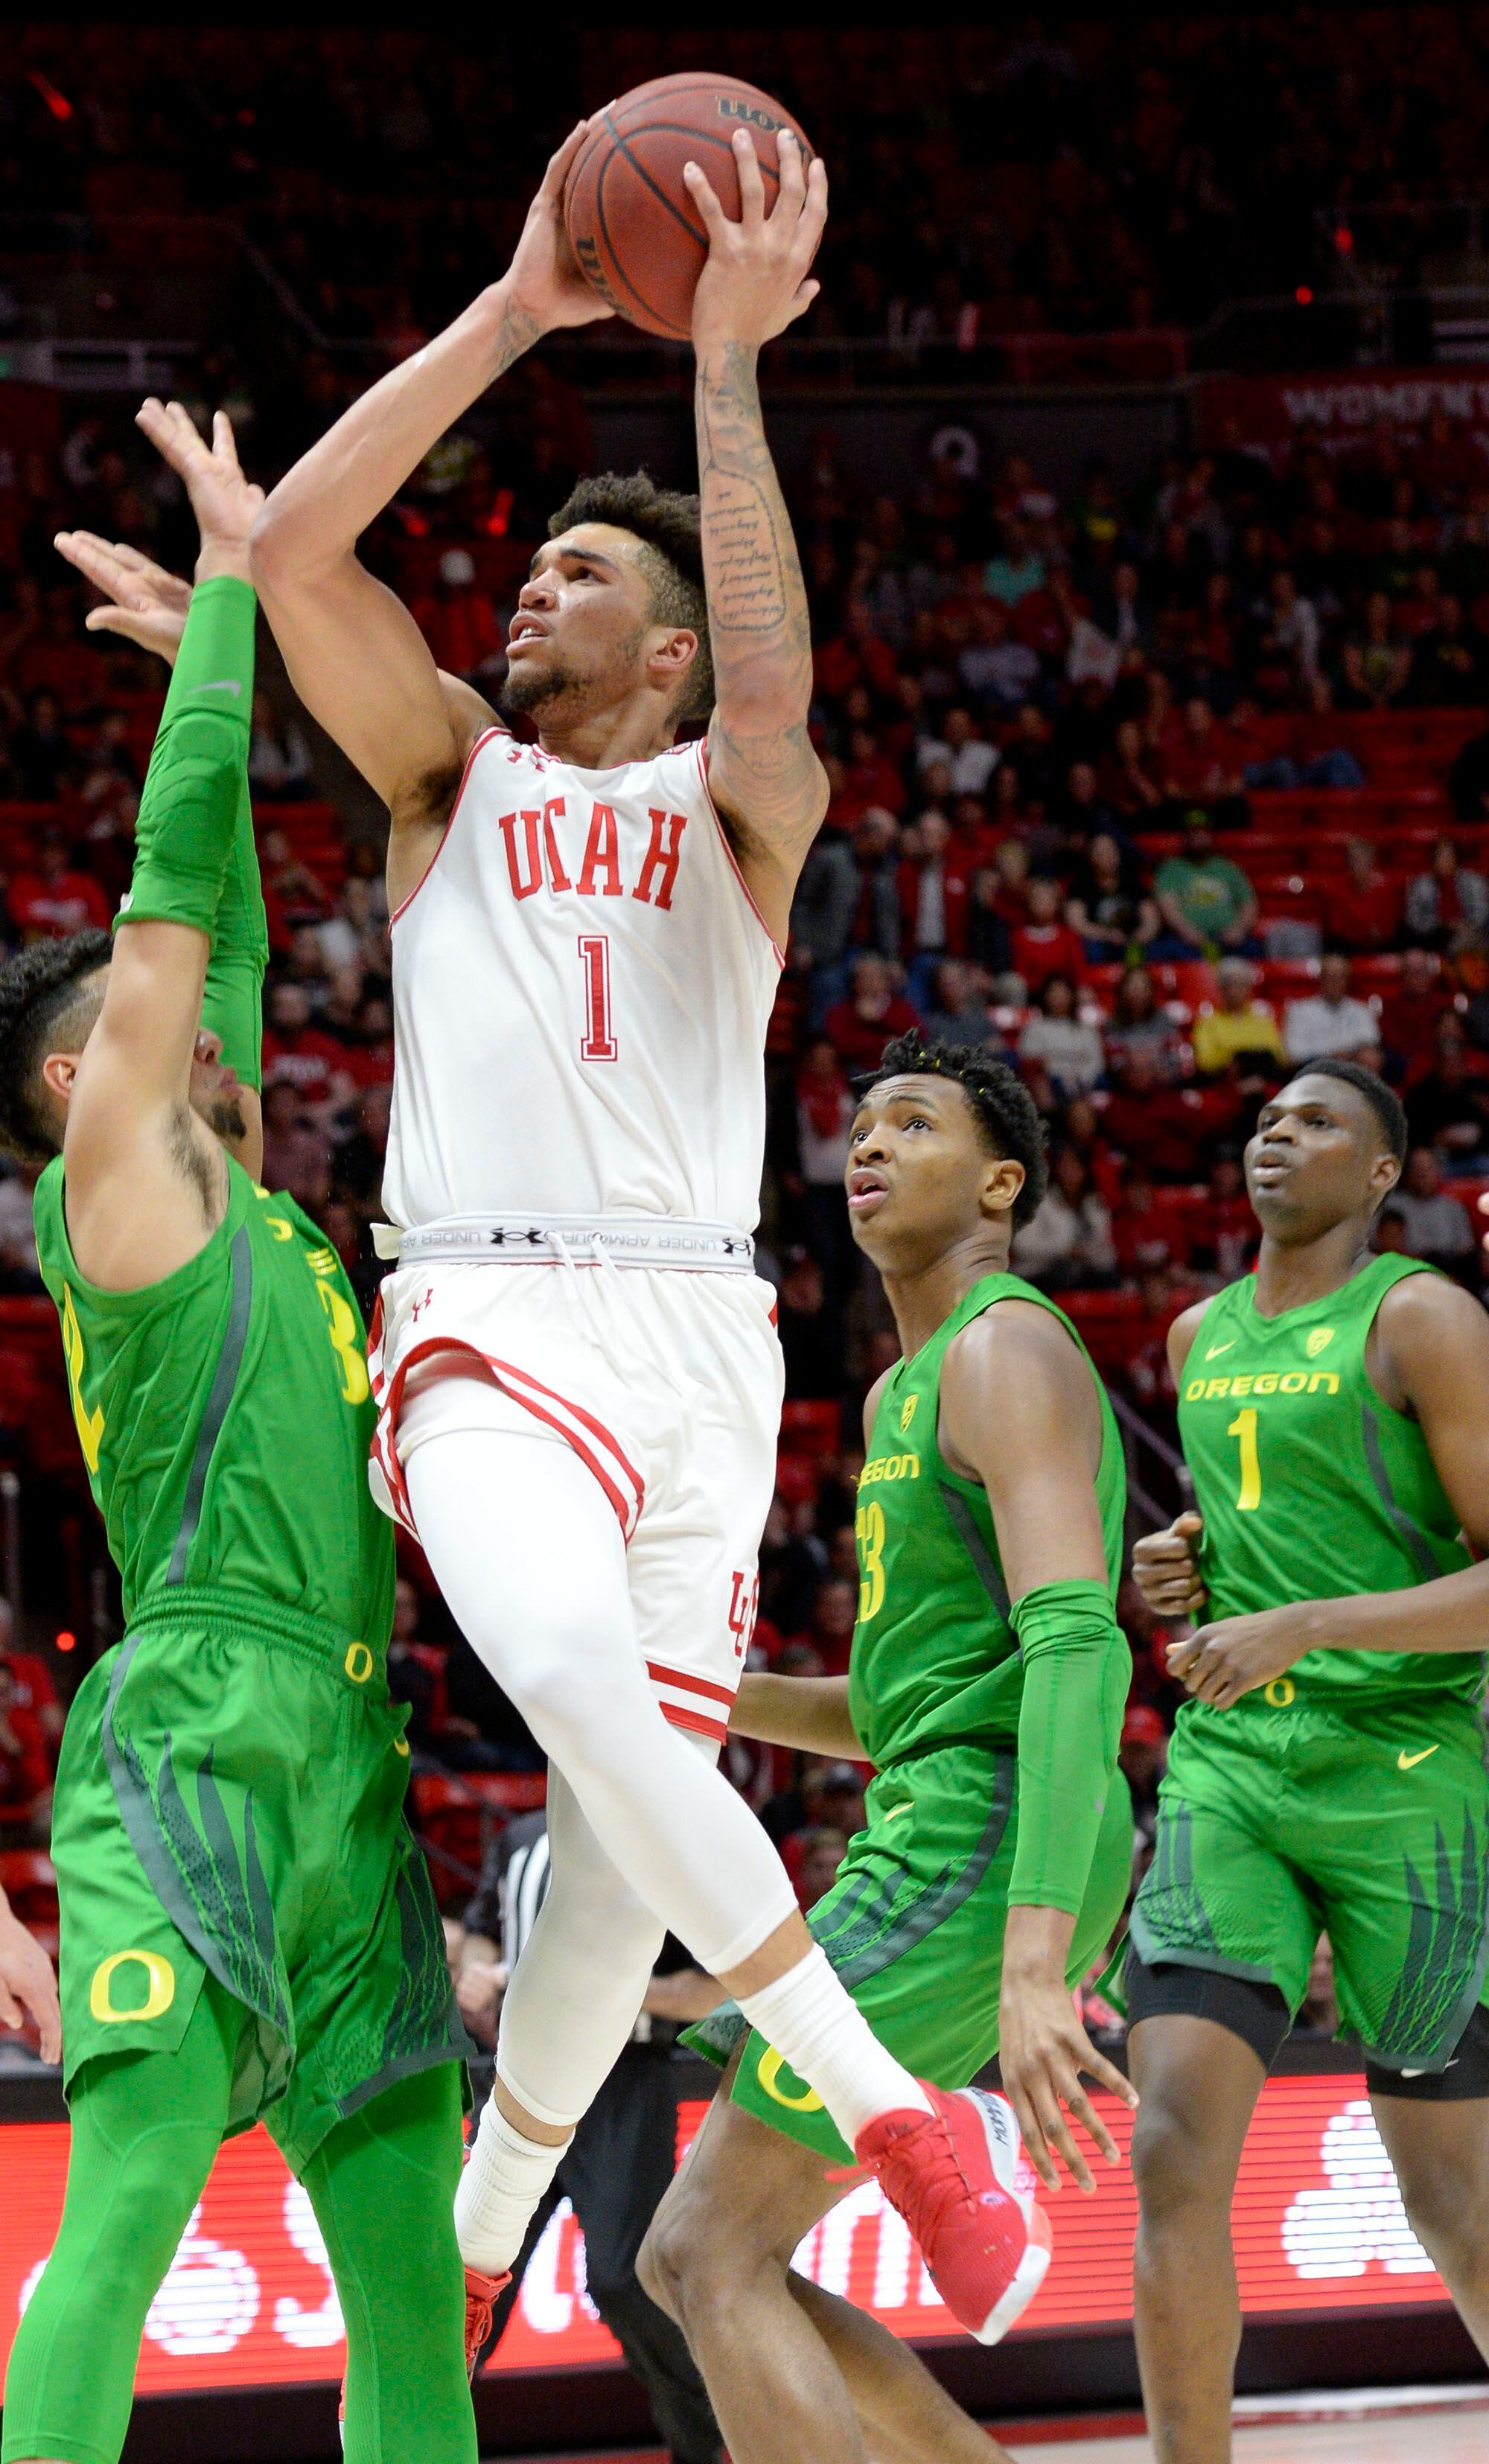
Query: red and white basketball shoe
481	2292
952	2175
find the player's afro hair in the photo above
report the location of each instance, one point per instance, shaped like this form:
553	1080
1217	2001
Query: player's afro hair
1383	1100
1006	1111
37	990
670	526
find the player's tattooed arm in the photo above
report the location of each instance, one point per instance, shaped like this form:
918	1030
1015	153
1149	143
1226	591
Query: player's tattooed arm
765	778
354	652
1429	1357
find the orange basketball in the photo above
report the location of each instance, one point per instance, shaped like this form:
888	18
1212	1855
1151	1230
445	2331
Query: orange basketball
632	223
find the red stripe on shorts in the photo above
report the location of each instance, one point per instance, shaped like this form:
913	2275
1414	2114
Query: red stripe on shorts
661	1676
677	1715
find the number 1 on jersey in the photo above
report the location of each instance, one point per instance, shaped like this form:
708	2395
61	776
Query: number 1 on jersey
598	1043
1244	1428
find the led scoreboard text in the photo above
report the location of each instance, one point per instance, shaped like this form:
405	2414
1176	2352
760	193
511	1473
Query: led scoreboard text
249	2302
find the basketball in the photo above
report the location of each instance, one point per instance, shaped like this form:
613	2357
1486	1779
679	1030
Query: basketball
631	224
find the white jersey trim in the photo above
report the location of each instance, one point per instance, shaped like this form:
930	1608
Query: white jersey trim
702	750
485	737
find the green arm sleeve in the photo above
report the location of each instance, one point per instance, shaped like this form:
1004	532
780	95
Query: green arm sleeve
1075	1668
195	861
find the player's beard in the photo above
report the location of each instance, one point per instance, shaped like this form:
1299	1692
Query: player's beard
531	689
224	1117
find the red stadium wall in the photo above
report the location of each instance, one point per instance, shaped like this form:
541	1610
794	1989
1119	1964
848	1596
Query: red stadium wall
1319	2227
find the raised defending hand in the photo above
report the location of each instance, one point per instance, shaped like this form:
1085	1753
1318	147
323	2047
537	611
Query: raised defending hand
756	281
1166	1569
224	503
27	1985
147	604
543	280
1219	1664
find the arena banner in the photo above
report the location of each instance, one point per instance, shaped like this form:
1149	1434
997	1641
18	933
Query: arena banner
248	2300
1341	406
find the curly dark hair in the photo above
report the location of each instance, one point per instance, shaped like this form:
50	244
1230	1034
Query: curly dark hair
39	993
670	526
1006	1113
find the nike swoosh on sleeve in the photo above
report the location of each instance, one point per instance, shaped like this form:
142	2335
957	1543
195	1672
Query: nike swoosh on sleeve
1407	1762
223	683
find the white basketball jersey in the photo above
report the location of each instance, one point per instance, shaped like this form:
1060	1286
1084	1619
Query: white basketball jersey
582	985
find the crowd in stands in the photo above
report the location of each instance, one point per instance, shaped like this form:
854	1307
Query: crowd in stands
997	176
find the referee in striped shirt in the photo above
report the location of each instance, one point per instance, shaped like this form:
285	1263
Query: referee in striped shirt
624	2152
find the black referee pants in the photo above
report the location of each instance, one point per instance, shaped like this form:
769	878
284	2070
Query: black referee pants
615	2173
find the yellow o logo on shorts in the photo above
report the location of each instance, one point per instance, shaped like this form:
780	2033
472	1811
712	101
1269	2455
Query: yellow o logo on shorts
769	2072
1279	1692
359	1663
160	1994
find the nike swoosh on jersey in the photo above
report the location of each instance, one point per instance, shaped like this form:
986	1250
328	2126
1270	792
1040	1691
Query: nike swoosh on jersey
1406	1760
1215	1349
895	1811
223	683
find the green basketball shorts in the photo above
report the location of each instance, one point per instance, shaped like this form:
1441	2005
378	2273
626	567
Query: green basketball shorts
230	1798
1279	1820
914	1926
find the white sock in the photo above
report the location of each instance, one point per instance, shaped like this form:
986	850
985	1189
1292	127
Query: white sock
809	2019
499	2188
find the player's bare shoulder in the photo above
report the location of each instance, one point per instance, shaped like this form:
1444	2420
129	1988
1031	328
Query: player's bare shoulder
1181	1335
1016	1361
1428	1333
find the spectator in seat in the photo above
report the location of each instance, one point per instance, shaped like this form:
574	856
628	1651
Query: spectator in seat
1148	1233
1435	1225
820	1849
1363	910
995	668
1115	917
1448	661
1043	944
1058	1040
1067	1243
1237	1023
870	1016
1410	1012
53	899
824	1116
965	752
1332	1022
1226	1241
1198	768
823	1792
1155	1124
933	901
279	755
811	1334
1206	902
1138	1023
1375	663
824	911
958	1011
458	619
1448	1107
1448	898
876	851
1129	779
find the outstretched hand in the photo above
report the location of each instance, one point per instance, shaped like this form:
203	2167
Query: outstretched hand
758	278
543	279
224	503
27	1985
145	603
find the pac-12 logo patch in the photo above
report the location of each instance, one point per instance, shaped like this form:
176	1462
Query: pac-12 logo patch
1318	1341
907	1412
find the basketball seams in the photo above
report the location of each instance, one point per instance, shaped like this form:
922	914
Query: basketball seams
618	271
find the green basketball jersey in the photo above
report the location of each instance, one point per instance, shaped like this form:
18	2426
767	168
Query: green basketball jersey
225	1416
1310	1485
935	1658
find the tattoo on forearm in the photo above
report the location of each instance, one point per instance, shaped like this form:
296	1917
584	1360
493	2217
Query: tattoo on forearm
756	597
515	335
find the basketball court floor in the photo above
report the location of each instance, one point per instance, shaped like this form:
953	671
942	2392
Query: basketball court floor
1440	2426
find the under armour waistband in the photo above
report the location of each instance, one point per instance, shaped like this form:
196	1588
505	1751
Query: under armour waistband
569	1240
